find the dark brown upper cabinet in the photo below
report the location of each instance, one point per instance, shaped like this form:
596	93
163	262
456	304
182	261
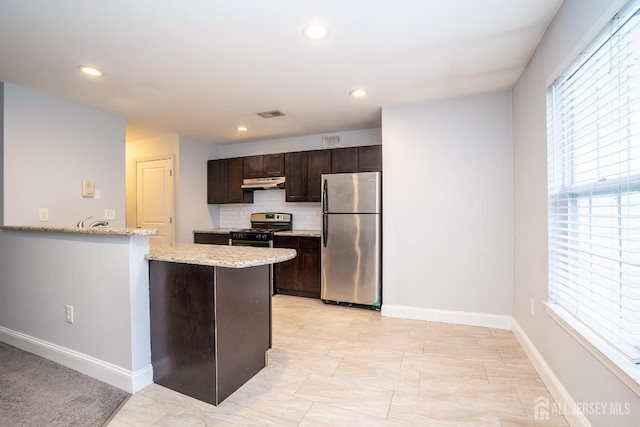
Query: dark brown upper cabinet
344	160
357	159
267	165
295	172
318	163
224	182
370	158
303	171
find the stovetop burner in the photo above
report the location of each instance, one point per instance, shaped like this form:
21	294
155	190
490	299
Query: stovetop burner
263	226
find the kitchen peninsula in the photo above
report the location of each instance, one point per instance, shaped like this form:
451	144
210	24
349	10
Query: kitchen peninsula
84	300
210	311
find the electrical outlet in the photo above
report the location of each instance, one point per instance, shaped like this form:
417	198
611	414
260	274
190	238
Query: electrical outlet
109	214
531	306
43	214
68	313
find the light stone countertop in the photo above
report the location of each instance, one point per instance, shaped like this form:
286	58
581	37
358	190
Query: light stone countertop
85	230
293	233
218	255
299	233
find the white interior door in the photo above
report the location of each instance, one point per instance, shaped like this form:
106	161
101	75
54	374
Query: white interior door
154	204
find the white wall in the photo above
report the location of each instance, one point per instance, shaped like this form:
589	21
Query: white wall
50	146
447	210
1	153
585	379
300	143
104	278
192	210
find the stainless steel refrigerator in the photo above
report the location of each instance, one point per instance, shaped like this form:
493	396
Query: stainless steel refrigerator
351	238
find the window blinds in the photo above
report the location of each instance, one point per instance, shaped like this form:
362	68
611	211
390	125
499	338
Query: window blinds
593	119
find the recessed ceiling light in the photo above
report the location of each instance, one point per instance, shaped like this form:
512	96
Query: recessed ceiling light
358	92
242	128
316	31
91	71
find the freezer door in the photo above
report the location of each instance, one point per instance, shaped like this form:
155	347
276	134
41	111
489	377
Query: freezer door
351	258
351	192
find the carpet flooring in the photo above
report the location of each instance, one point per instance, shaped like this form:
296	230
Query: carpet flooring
38	392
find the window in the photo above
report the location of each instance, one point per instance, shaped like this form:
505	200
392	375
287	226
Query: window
593	121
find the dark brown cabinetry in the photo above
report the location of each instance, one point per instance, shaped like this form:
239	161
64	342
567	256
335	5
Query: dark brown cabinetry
319	163
210	327
211	238
301	275
357	159
303	171
224	181
295	172
344	160
267	165
370	158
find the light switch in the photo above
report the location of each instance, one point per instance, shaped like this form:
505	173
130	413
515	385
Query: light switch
88	188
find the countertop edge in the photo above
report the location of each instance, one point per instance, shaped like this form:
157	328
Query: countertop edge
219	255
293	233
74	230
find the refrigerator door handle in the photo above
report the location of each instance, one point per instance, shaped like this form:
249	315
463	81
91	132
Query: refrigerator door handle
325	197
325	229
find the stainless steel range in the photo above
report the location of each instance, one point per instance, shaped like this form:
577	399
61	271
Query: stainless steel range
262	231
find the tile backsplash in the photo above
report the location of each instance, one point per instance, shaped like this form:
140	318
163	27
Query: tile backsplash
306	216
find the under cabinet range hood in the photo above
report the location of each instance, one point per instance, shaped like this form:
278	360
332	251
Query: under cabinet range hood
271	183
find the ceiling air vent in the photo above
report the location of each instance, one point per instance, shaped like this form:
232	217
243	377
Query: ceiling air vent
330	141
270	114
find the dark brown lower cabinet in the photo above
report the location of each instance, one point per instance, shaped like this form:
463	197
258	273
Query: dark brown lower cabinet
301	275
210	327
211	238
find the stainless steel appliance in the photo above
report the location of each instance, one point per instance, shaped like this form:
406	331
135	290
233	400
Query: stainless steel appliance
263	227
351	238
270	183
262	232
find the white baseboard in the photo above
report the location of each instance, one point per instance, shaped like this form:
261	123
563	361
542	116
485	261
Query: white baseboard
99	369
447	316
557	390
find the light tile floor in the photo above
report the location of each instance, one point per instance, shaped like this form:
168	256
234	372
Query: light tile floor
340	366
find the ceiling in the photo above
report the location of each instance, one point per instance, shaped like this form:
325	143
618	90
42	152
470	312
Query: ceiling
203	67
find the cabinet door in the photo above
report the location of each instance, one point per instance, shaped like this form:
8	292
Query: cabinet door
295	165
252	167
370	158
285	274
309	254
216	181
273	164
319	162
235	193
344	160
